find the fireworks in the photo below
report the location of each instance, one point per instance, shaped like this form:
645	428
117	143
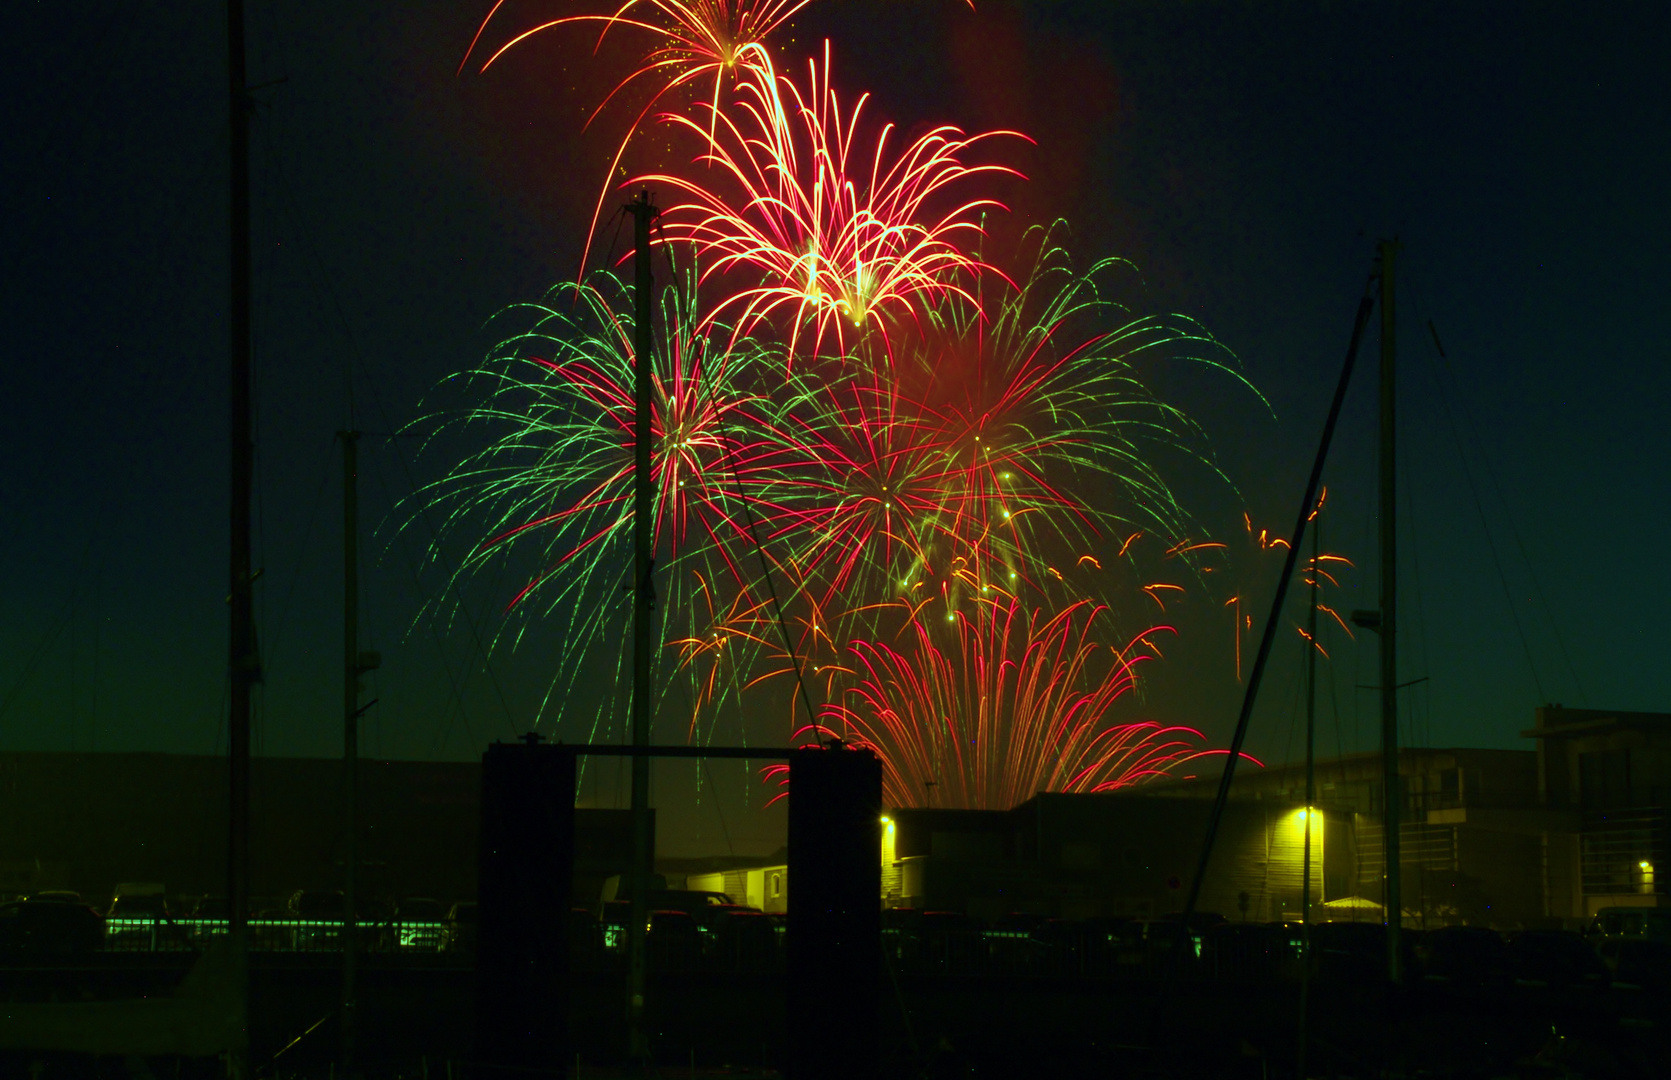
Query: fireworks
827	232
885	465
694	40
1031	405
1016	703
553	484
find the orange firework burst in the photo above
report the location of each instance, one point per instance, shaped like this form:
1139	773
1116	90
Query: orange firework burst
696	39
703	37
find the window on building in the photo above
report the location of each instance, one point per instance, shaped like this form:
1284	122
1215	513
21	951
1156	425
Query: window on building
1604	780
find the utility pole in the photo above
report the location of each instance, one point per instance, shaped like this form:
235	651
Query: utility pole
351	668
643	212
1392	793
243	665
1310	794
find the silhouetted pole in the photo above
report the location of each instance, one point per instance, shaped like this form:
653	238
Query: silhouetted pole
834	936
350	736
643	611
1310	795
525	879
1389	614
241	659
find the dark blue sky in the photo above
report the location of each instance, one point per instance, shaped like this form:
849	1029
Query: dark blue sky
1246	156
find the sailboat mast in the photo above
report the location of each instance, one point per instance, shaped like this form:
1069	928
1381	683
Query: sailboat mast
1391	791
242	663
643	608
352	669
1310	792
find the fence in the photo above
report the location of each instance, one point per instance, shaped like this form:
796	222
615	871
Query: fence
1112	950
141	934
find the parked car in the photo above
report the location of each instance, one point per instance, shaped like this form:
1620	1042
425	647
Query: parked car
137	901
674	942
1464	956
1248	951
1160	937
314	919
1349	951
1637	962
951	943
1113	945
693	901
1013	943
745	940
1096	947
461	926
311	904
585	939
712	921
1652	924
209	913
899	934
139	920
1559	959
50	926
421	924
711	916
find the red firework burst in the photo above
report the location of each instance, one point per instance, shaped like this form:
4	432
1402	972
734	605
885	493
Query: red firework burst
1018	702
838	236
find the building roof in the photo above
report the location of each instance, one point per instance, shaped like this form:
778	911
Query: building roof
1560	722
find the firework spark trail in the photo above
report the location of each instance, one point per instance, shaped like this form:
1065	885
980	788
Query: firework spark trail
1322	571
553	486
1036	401
1014	703
696	39
999	447
827	237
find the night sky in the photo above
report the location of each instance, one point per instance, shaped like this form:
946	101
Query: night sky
1246	156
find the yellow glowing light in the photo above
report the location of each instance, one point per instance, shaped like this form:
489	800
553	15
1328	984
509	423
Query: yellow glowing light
1646	865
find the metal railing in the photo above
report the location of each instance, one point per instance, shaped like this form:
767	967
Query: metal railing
141	934
1110	951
